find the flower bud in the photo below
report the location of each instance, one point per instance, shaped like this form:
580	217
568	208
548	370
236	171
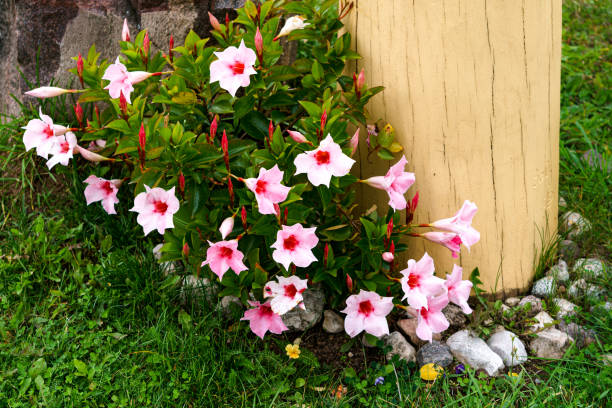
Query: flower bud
349	283
125	33
259	45
387	257
80	68
142	137
186	250
270	132
97	111
392	248
226	227
285	214
243	217
325	254
361	80
89	155
122	104
224	147
230	188
181	181
297	136
323	120
213	129
78	113
277	210
214	23
146	44
354	143
390	228
48	92
171	46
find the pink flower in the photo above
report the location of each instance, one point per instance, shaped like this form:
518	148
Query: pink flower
294	244
49	92
99	189
42	134
367	311
223	255
396	182
292	23
450	240
297	136
325	161
90	155
233	68
430	318
155	208
125	32
286	293
62	150
268	189
419	282
263	319
458	290
354	142
461	224
226	227
388	257
122	81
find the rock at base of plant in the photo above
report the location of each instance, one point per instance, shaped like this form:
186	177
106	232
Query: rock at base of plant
332	322
543	321
399	347
550	343
455	316
581	336
436	353
509	347
512	301
544	287
197	289
302	319
568	249
536	304
589	268
472	350
230	306
566	308
574	224
408	326
607	306
560	271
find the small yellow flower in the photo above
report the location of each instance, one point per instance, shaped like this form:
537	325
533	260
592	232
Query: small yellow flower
293	351
431	372
512	374
388	128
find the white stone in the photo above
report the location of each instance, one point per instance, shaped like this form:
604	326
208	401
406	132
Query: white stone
399	347
559	271
544	287
566	308
332	322
577	288
550	343
543	320
512	301
509	347
302	319
588	268
574	224
469	349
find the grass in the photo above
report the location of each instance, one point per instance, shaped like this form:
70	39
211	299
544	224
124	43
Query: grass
89	319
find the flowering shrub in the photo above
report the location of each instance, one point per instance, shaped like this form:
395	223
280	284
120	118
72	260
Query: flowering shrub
243	165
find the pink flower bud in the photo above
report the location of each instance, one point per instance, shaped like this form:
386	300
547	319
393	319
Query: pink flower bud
214	23
230	188
171	46
186	250
224	147
392	248
297	136
259	44
354	143
390	228
122	104
78	113
48	92
226	227
349	283
139	76
142	137
277	210
361	80
243	217
125	33
323	120
146	44
388	257
181	181
270	132
89	155
213	128
80	68
325	254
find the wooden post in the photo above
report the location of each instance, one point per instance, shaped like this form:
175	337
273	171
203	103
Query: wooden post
472	90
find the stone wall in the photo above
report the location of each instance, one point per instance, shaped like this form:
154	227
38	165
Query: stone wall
58	30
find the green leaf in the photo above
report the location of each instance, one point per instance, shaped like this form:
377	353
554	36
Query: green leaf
313	109
317	71
186	98
81	367
385	154
184	319
120	125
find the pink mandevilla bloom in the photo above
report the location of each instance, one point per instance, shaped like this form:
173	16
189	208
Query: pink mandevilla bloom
458	290
262	319
418	281
122	81
461	224
233	68
99	189
367	311
294	244
450	240
62	150
325	161
224	255
396	182
286	293
268	189
42	134
155	208
430	318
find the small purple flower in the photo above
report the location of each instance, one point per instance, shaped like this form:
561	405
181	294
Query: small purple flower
460	369
379	380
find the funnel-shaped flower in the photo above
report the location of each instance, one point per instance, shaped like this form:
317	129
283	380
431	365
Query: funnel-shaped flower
122	81
155	208
262	319
325	161
461	224
418	281
430	318
292	23
367	311
458	290
450	240
41	134
286	293
233	68
224	255
268	189
62	150
294	244
99	189
396	182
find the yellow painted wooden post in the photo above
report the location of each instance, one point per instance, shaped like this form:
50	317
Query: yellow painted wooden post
472	89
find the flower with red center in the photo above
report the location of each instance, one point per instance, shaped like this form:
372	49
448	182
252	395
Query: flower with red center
155	208
286	293
367	311
430	318
396	182
99	189
458	290
262	319
233	68
419	282
42	134
325	161
294	244
461	224
122	81
224	255
62	150
450	240
268	189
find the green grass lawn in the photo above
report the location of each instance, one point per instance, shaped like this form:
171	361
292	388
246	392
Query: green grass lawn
89	319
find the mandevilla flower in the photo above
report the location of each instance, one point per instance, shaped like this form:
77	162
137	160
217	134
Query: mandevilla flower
268	189
49	92
396	182
297	136
224	255
62	150
292	23
430	318
450	240
388	257
325	161
233	68
461	224
99	189
155	208
458	290
226	227
122	81
125	32
42	134
367	311
354	143
294	244
418	281
262	319
286	293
